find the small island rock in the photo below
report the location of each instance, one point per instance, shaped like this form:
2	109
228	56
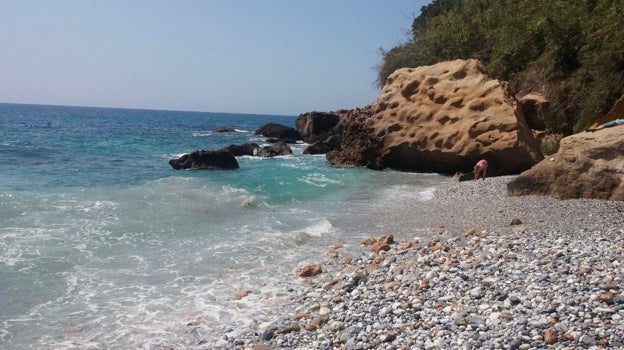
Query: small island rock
205	160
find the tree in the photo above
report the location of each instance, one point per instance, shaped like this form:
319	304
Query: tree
572	51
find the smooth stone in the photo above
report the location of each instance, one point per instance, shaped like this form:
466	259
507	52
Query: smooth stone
475	293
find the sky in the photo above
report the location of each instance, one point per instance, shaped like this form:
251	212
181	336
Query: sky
281	57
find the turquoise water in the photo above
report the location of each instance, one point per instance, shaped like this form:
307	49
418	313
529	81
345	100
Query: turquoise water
104	245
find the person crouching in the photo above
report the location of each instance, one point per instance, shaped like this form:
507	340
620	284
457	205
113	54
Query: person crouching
480	169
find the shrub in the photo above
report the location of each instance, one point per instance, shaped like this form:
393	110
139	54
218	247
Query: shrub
572	50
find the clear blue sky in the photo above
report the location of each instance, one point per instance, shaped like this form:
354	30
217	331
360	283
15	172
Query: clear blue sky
241	56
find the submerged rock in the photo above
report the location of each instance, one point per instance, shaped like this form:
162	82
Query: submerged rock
278	149
224	129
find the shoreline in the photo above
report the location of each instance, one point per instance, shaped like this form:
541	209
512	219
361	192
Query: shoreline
466	277
484	204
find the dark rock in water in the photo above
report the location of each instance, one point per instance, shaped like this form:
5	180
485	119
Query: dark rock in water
276	140
224	129
278	149
205	160
251	149
317	148
225	157
277	131
247	149
321	130
321	147
316	126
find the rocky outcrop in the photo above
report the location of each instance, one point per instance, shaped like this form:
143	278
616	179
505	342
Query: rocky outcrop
322	130
224	129
205	160
358	144
447	116
442	118
247	149
315	126
533	107
587	165
322	147
225	157
278	132
278	149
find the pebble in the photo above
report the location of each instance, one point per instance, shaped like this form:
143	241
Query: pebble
499	288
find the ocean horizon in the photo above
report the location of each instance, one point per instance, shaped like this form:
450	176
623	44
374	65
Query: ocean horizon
104	245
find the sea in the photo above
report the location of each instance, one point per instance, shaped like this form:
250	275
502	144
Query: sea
103	245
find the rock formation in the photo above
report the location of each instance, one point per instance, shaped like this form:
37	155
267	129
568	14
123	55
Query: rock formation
321	130
279	132
533	107
315	126
225	157
587	165
247	149
278	149
205	160
224	129
358	144
442	118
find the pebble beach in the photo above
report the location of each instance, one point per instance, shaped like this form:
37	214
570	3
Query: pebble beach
477	270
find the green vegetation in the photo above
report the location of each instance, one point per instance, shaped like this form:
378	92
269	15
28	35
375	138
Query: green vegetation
550	143
570	50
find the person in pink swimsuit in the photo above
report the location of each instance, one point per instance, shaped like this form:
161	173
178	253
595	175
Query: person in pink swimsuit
480	169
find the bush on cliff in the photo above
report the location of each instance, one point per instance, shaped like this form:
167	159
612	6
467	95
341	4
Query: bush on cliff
571	51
